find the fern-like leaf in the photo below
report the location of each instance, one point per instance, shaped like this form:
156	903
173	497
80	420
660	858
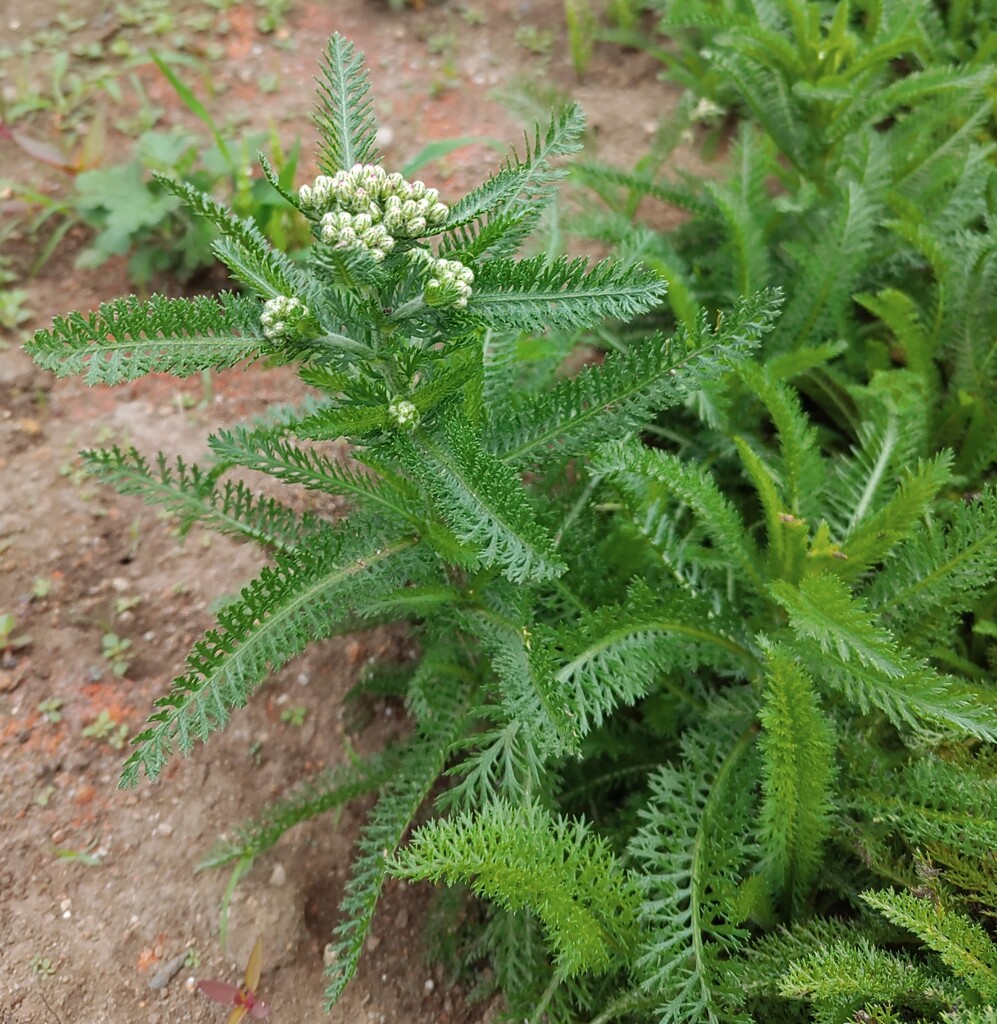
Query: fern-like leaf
196	496
962	944
493	220
614	655
877	534
410	784
827	274
284	460
243	247
947	563
822	609
128	338
484	503
537	293
331	788
851	651
935	803
345	114
522	857
797	748
308	594
532	697
691	848
694	486
607	401
802	475
843	977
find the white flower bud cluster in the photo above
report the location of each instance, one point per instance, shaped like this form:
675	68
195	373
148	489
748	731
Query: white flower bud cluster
365	206
449	283
282	316
351	230
404	413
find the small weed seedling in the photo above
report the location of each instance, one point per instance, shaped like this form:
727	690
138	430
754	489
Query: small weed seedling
127	602
242	998
104	727
49	709
9	642
294	715
89	855
537	40
12	310
115	651
42	966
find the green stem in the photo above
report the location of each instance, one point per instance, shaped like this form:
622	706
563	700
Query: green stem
408	309
341	342
548	994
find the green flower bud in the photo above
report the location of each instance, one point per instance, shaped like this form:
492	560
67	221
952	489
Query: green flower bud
404	413
282	316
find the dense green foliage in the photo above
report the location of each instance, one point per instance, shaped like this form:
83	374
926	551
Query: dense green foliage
703	716
862	185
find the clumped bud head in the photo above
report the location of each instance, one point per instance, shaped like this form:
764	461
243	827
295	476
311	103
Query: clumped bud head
449	283
282	316
404	413
347	230
405	209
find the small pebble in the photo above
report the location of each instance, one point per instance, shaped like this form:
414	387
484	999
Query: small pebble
279	874
168	971
429	985
164	828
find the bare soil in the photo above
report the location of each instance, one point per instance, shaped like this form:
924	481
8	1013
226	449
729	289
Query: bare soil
81	937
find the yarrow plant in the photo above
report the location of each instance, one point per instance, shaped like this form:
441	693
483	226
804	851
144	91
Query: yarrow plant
673	742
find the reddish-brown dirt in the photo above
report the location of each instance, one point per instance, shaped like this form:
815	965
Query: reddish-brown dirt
82	936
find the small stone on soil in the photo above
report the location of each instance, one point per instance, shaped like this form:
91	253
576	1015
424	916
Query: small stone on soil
168	971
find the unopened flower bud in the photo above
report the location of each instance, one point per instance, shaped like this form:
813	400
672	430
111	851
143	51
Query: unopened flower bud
282	316
404	413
